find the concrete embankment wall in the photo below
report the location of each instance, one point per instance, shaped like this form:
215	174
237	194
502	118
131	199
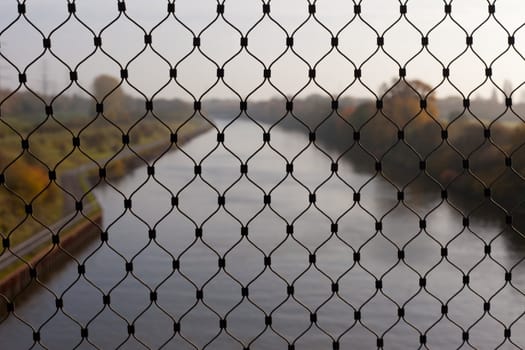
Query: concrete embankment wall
50	258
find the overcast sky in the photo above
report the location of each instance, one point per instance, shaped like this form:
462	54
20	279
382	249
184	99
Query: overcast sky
123	40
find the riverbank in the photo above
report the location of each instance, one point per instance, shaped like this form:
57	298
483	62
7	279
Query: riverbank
118	167
49	256
44	254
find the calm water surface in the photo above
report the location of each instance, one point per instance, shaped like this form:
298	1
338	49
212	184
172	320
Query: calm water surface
221	237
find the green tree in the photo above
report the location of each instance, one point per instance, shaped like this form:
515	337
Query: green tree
108	89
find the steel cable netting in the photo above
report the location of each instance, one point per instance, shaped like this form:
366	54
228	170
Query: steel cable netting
262	174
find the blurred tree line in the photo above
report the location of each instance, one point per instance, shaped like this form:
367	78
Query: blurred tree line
465	152
120	107
475	160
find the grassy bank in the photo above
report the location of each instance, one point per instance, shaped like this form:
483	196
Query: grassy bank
49	256
40	185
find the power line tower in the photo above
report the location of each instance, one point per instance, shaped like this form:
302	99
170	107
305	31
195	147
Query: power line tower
47	83
45	78
2	68
2	76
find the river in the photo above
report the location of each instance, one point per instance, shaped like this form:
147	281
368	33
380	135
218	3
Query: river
175	238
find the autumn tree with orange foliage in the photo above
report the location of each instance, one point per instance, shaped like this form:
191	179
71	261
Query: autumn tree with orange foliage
27	182
410	102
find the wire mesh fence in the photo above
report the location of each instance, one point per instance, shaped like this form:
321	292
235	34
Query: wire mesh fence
262	174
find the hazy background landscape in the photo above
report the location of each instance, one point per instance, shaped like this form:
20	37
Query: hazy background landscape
220	37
